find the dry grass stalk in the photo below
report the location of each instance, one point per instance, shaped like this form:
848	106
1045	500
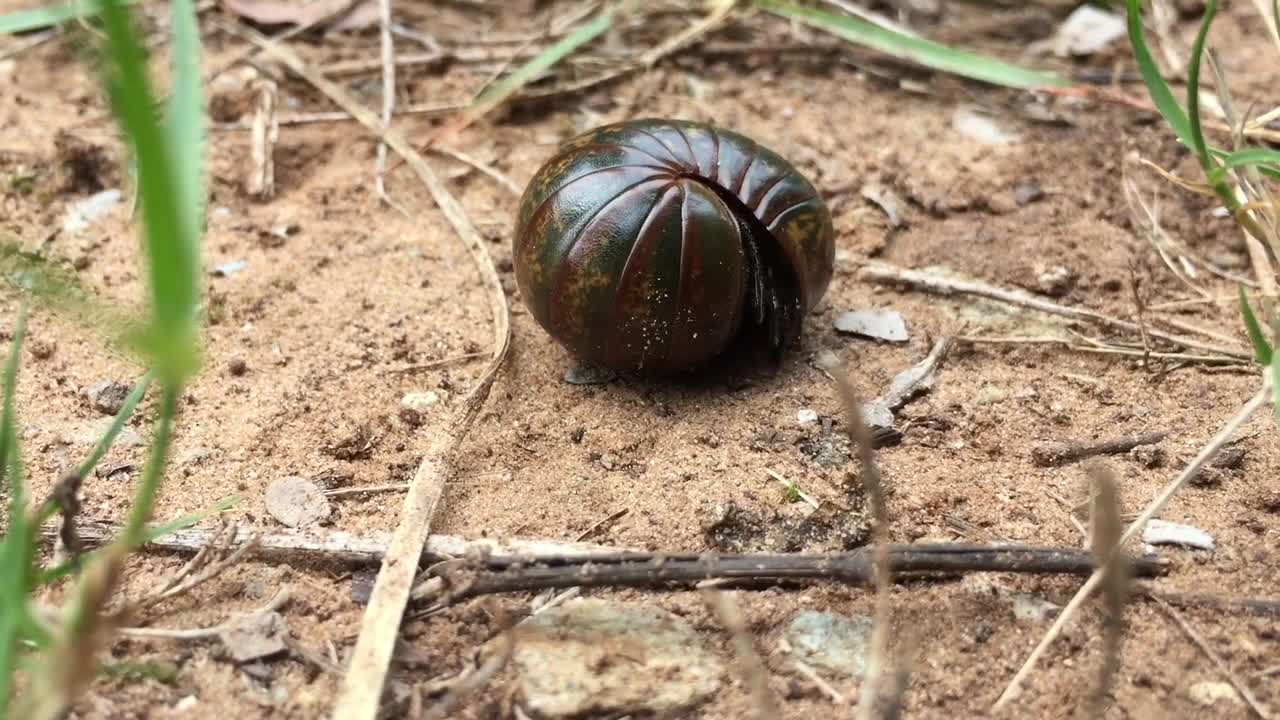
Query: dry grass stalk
266	132
860	436
337	10
1265	9
1107	529
362	691
1258	214
337	116
202	568
893	699
72	663
1207	453
754	672
388	44
884	273
279	600
496	175
1170	252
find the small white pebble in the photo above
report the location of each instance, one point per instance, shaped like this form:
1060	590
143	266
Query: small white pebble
806	416
420	401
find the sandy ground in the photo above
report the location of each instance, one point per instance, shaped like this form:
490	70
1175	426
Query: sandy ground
339	292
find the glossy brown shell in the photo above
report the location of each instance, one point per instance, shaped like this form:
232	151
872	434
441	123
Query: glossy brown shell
629	248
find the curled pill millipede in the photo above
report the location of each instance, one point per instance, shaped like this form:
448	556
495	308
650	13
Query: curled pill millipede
654	244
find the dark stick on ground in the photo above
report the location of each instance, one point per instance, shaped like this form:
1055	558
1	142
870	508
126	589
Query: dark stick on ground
857	568
1262	607
1053	454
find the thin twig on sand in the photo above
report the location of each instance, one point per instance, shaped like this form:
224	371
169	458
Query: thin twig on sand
1207	453
880	272
336	546
1097	348
1262	607
371	657
664	571
1056	453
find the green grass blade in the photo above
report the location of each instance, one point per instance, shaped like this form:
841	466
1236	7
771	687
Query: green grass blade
539	64
168	244
1161	93
1261	348
186	119
40	18
918	50
186	521
1193	90
144	498
1263	158
8	413
16	547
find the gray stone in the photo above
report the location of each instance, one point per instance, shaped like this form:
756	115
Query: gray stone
1159	532
589	375
1027	192
596	657
1030	608
1086	31
1211	691
195	456
980	127
990	394
108	396
1054	280
885	325
877	415
836	643
827	360
259	637
85	213
420	402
